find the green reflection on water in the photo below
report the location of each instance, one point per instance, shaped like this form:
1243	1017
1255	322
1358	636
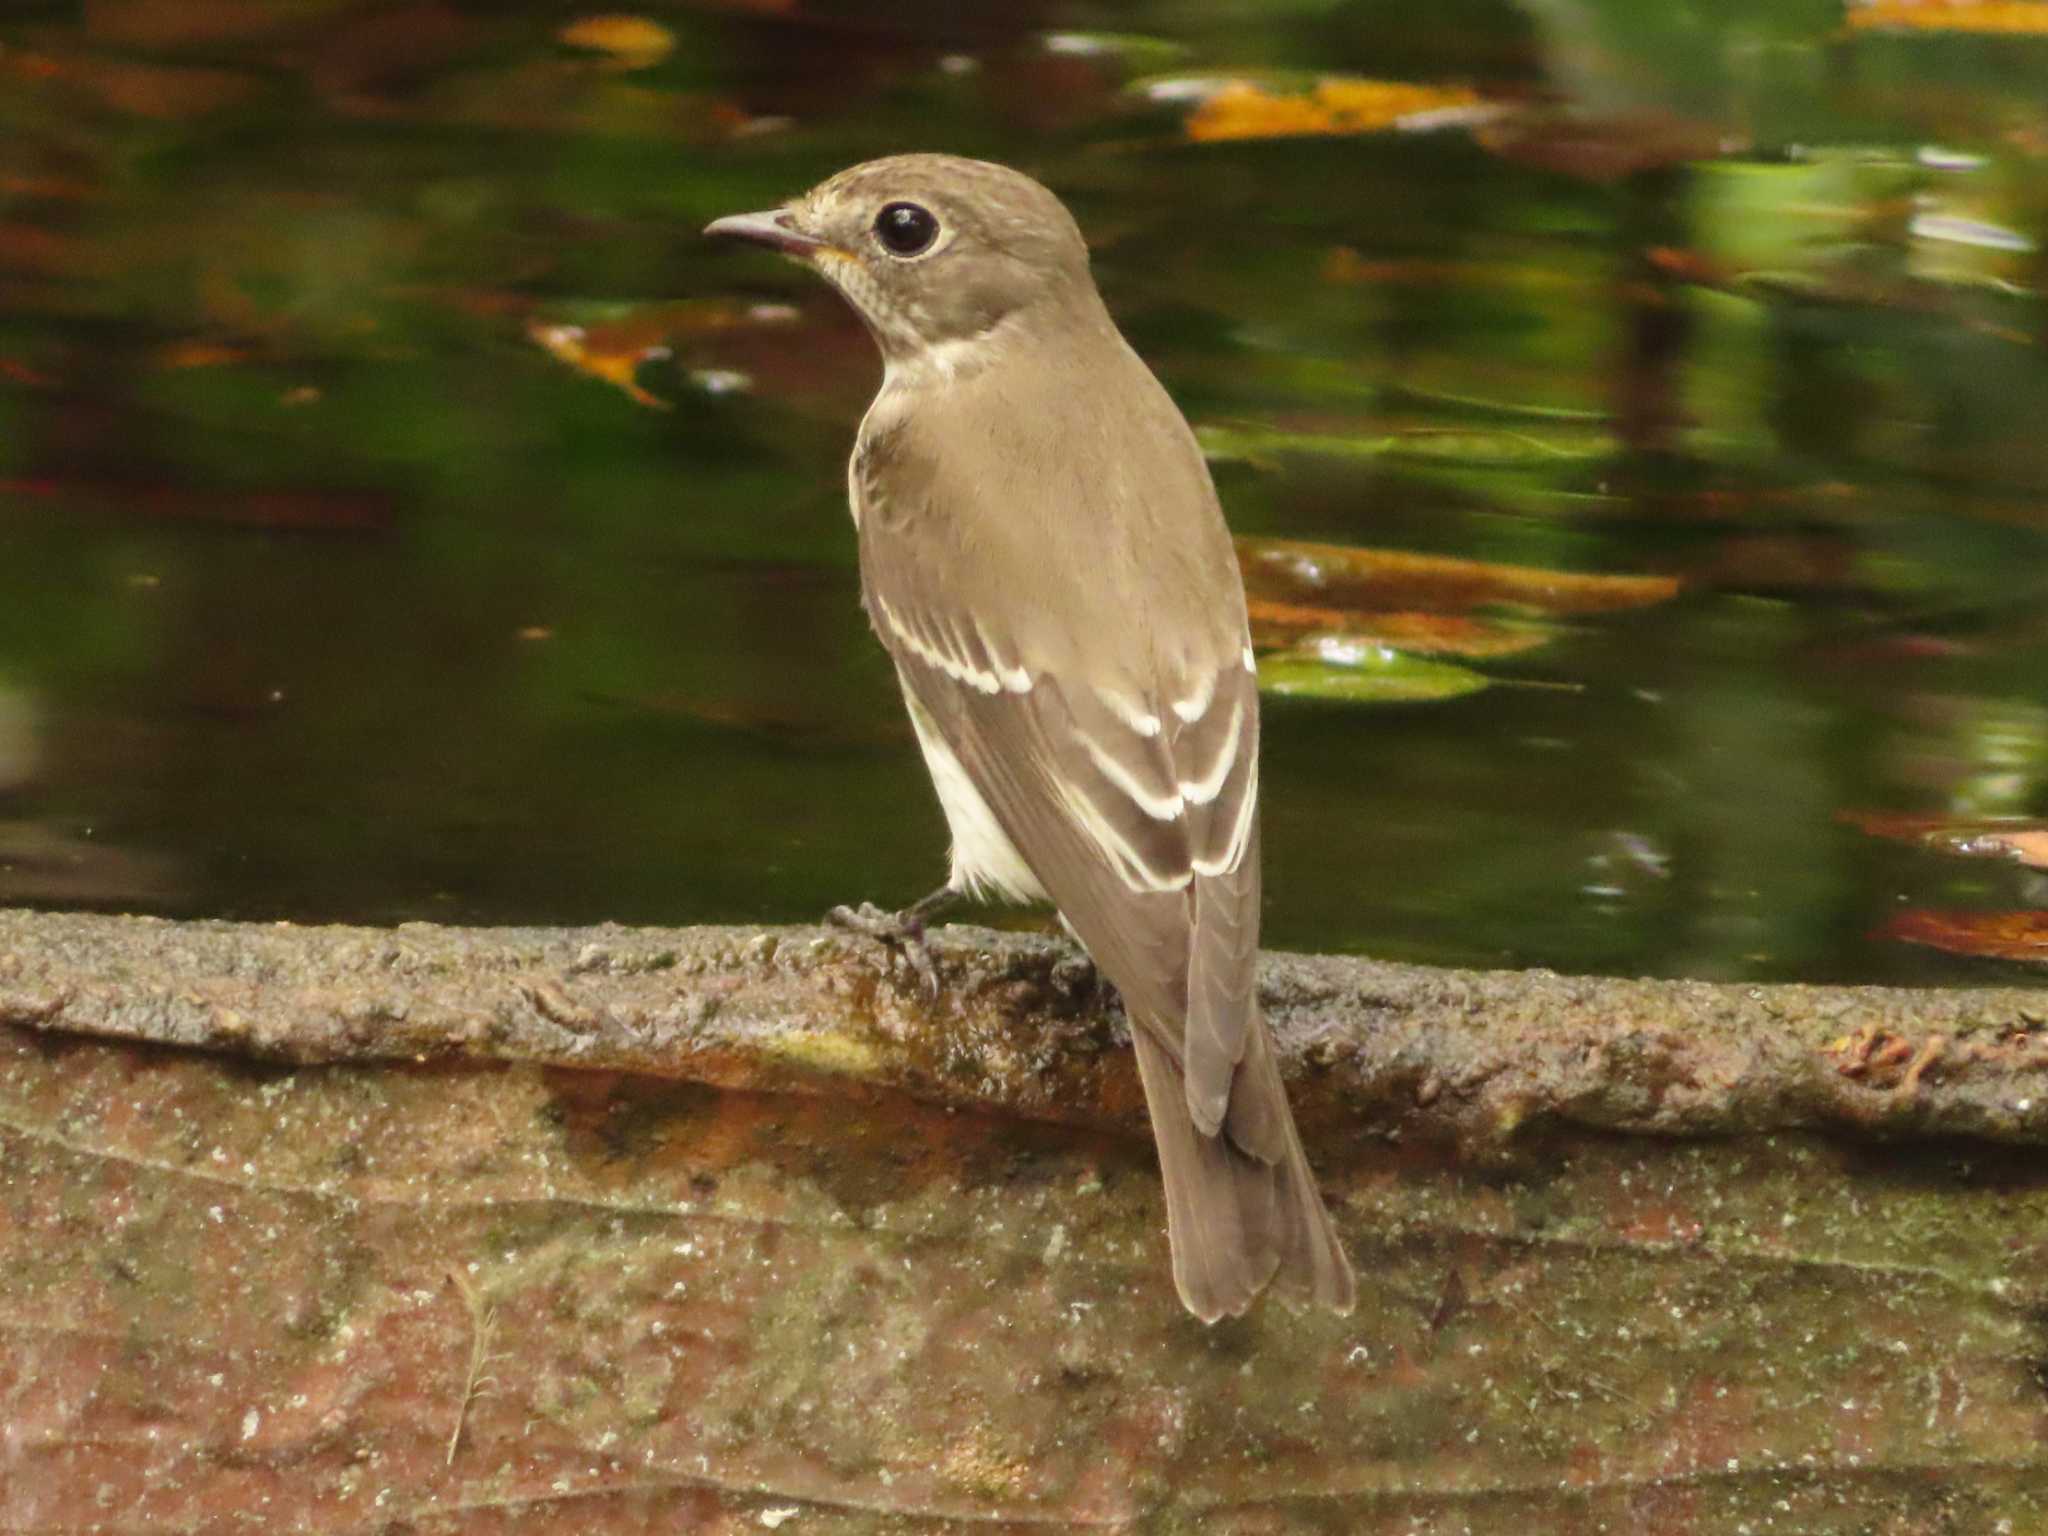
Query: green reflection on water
325	592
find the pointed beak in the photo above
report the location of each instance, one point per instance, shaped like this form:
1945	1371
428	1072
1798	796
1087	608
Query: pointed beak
774	229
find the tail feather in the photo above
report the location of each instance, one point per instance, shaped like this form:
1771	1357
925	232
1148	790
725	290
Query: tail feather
1238	1220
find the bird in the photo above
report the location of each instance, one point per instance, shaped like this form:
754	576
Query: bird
1044	558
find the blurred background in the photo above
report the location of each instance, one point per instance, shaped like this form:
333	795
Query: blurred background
1634	411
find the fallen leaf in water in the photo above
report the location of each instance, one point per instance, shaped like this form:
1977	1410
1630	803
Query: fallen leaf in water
614	347
1688	266
1981	837
2018	16
1461	445
17	372
1341	576
628	42
1262	445
2019	935
195	353
1245	109
1277	624
1348	670
1430	445
572	345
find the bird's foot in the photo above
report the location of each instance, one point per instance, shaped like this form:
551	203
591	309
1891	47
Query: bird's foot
902	933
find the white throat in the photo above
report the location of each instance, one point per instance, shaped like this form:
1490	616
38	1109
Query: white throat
947	362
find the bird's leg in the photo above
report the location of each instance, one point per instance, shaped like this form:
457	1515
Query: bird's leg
1084	979
902	931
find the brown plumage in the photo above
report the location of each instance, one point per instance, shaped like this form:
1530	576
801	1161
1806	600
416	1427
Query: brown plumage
1043	555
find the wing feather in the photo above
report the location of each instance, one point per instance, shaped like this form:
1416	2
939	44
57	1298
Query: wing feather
1119	758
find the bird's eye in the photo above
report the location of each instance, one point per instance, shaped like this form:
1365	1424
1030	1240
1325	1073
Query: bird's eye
906	229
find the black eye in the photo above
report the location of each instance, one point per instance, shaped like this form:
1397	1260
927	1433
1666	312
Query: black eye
906	229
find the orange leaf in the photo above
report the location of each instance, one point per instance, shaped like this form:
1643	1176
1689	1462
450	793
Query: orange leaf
1336	105
613	349
1339	576
573	345
1986	935
1275	624
1993	837
196	353
631	42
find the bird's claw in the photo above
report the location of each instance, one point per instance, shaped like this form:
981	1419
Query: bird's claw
902	932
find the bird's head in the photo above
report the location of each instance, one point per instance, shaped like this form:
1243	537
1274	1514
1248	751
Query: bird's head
933	251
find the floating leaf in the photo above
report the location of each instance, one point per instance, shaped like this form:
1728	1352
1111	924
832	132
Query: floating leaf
628	42
1480	405
1981	837
1336	104
197	352
1261	445
1431	445
2018	16
1355	671
2019	935
1454	445
572	345
1277	624
1341	576
614	343
15	371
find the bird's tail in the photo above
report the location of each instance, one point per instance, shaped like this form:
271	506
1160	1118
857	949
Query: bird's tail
1239	1218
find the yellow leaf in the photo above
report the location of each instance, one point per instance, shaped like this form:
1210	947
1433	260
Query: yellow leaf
572	345
2021	16
632	42
1275	624
1338	104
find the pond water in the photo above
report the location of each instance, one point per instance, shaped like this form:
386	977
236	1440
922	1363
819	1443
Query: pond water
405	514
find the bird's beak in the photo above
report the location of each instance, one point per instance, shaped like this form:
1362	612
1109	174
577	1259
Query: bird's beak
774	229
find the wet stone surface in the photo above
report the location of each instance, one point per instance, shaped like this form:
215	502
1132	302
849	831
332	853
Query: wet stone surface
867	1266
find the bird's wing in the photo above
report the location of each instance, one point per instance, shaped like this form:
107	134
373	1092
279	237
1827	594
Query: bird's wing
1128	786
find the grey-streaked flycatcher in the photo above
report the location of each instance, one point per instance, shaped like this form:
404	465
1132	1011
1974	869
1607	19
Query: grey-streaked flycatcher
1042	553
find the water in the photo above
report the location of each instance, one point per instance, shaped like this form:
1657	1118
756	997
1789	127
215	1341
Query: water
327	592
